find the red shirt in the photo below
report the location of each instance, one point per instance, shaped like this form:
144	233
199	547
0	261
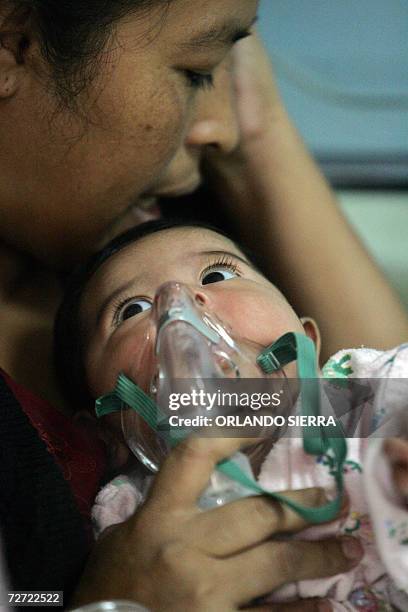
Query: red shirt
80	455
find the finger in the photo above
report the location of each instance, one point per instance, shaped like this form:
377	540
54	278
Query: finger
187	470
400	477
304	605
246	522
268	566
396	450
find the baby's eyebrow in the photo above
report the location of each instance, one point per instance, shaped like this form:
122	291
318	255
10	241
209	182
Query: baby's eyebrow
111	298
228	254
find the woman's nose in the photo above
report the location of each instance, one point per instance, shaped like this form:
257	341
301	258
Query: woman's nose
215	122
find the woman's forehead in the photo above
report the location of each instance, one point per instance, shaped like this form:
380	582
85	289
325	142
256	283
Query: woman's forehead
212	23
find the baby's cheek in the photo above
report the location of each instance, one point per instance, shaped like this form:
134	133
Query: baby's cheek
104	364
260	321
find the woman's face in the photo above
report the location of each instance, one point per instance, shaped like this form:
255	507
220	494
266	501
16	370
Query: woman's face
149	115
116	307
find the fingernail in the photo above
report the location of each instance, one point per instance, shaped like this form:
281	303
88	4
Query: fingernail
324	606
352	548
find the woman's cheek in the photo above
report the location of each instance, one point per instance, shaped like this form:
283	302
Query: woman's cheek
168	123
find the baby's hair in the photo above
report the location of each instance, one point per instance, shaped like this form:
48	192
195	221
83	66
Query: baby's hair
70	337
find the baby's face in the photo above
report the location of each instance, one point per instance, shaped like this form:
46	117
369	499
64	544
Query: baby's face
116	305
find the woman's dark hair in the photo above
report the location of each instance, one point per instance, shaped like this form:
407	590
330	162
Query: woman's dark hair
72	34
69	336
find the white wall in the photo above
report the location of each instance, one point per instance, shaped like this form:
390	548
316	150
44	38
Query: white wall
381	219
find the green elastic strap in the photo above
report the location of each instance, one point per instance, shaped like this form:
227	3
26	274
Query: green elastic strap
316	442
128	393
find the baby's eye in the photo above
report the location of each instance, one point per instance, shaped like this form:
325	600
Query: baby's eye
216	275
132	308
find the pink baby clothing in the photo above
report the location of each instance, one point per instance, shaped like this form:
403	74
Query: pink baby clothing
378	517
379	582
116	502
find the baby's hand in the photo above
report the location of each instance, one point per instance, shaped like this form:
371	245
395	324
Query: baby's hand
396	451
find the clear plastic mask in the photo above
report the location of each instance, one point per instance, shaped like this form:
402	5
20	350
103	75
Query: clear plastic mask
184	341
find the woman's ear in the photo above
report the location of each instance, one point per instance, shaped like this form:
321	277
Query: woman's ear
313	332
14	44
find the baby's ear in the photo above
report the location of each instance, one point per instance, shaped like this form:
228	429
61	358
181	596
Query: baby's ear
117	450
312	331
85	419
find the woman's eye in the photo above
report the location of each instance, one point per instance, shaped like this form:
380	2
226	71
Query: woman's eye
216	275
132	309
199	80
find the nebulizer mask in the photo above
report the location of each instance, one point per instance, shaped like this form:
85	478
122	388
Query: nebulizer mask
187	347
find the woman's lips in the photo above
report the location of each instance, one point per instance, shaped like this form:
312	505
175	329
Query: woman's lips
179	189
146	209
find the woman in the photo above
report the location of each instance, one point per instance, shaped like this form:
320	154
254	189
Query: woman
103	108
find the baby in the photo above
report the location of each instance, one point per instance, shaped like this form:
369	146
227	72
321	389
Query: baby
102	323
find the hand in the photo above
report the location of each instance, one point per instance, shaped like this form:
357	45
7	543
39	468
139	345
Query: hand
257	99
397	452
257	96
237	178
171	556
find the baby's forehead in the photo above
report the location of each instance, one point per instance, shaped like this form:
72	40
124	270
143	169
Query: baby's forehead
192	239
177	247
162	245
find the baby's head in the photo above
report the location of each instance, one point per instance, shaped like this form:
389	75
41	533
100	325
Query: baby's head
102	322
